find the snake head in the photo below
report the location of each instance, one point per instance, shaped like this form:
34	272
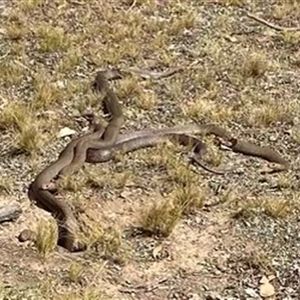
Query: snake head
103	75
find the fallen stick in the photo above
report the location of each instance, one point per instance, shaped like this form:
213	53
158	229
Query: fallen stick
273	26
9	213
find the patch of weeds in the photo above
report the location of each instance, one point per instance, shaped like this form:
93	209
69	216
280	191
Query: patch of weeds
286	9
111	247
6	184
14	116
129	87
257	261
46	238
70	60
15	31
285	181
164	151
18	118
190	197
205	106
178	172
255	65
52	39
76	272
266	111
12	73
146	101
29	5
87	294
267	114
96	180
291	38
232	2
277	208
28	139
161	218
178	24
69	183
295	133
247	209
45	93
206	78
272	207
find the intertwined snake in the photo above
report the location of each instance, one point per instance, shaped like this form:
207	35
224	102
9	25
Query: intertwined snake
102	144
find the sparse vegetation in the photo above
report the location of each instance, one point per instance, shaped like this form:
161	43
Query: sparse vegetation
46	238
236	74
76	271
255	65
161	218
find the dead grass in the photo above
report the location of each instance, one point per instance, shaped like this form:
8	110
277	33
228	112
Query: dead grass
273	207
12	73
46	93
6	184
255	65
98	181
19	120
76	272
87	294
52	38
46	238
161	218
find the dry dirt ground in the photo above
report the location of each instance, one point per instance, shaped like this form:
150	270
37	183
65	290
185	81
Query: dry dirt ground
238	230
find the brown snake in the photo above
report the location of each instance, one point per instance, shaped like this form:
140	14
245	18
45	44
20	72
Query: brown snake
60	209
93	149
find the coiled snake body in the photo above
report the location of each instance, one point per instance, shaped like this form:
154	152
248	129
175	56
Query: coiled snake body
101	146
66	164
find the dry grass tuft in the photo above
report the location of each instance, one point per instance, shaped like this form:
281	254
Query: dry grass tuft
255	65
29	5
161	218
12	73
46	237
97	180
275	208
190	197
76	272
265	111
111	247
19	120
90	293
6	184
52	39
46	94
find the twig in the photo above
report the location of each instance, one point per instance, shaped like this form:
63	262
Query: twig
155	75
273	26
9	213
132	5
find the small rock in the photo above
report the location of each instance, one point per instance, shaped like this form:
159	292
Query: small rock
267	290
60	84
65	132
